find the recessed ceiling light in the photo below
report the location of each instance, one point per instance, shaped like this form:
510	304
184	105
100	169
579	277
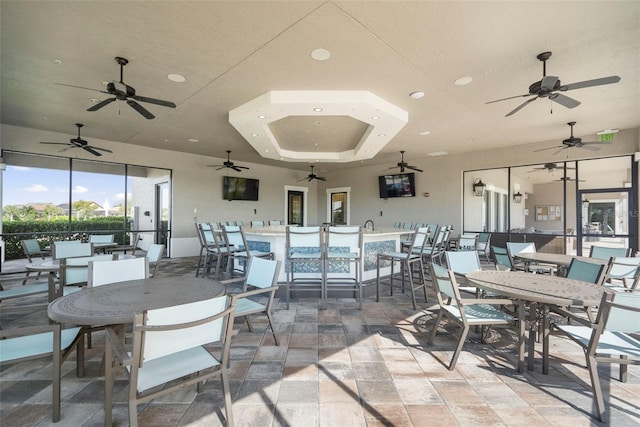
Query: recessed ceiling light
425	132
463	81
254	134
381	135
94	100
317	110
44	117
262	116
178	78
266	151
320	54
416	95
375	117
166	140
437	153
193	140
57	61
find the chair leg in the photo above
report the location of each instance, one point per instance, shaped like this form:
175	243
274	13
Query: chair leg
435	327
246	319
108	384
227	398
592	366
623	369
273	330
456	353
407	267
378	278
56	378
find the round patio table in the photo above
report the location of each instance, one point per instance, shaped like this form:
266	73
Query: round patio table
117	303
538	289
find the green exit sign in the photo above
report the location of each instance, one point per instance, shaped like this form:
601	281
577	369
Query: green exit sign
606	137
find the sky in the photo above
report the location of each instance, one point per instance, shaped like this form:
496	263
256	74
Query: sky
22	185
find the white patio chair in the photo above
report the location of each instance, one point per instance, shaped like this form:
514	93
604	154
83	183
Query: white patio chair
169	346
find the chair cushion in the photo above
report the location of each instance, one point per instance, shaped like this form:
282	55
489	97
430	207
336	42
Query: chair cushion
177	365
246	306
24	290
613	343
34	345
480	313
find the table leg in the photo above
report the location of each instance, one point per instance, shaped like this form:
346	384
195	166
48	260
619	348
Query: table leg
521	335
545	339
533	308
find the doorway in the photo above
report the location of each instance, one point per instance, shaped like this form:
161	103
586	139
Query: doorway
339	205
604	219
163	208
295	208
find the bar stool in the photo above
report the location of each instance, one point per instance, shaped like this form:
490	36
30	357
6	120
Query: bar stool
238	249
407	259
343	248
304	252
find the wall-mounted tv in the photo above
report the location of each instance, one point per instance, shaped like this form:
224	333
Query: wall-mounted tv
398	185
236	188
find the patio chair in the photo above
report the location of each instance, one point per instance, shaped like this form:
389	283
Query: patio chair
466	312
33	342
609	340
407	259
74	272
14	289
483	246
604	252
257	224
586	271
623	274
261	281
514	248
238	250
155	252
501	258
169	347
106	272
467	242
31	249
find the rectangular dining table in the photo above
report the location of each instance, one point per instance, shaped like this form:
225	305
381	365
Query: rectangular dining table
561	261
538	290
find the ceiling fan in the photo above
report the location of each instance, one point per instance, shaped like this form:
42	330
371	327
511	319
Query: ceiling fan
549	87
124	92
228	164
313	176
575	142
569	179
79	143
404	165
549	167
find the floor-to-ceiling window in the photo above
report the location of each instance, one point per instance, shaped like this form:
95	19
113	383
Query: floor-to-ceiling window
55	198
563	206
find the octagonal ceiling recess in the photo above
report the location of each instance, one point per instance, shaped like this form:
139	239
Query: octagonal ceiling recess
384	121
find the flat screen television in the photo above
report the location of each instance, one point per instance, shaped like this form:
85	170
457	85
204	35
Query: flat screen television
397	185
236	188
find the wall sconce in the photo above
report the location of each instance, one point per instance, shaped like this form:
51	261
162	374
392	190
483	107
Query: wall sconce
147	213
479	187
517	198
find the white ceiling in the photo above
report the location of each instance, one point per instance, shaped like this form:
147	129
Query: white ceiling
232	52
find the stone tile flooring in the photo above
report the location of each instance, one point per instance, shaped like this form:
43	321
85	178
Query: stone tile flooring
342	367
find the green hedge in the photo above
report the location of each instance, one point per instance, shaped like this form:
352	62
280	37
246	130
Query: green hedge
47	232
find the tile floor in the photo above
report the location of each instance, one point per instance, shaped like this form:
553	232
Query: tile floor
342	367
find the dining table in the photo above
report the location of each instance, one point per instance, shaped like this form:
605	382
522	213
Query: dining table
539	291
117	303
561	261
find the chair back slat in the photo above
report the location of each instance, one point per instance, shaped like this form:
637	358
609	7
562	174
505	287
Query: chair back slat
463	262
514	248
624	268
75	271
262	273
113	271
304	237
72	249
624	320
604	252
350	237
467	242
161	343
101	238
444	282
234	237
585	271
